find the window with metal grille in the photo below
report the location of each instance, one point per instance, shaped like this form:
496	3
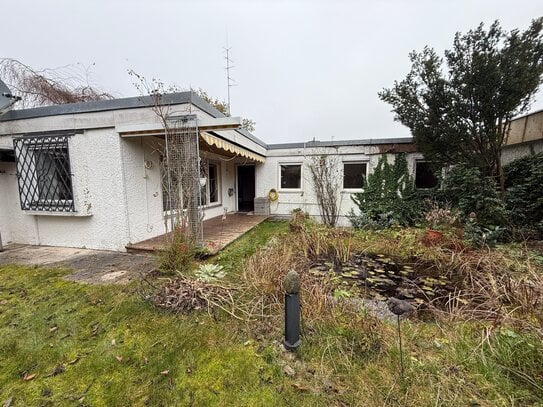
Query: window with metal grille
43	172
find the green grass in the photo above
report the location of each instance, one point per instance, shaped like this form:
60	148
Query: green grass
232	257
114	346
117	350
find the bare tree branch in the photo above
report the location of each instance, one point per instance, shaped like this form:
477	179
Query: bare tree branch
67	84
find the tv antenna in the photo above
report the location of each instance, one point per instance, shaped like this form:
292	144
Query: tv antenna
229	80
7	100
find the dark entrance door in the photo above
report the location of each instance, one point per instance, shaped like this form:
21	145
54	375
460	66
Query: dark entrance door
246	188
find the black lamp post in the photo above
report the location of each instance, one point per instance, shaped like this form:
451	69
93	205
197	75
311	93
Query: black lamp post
292	311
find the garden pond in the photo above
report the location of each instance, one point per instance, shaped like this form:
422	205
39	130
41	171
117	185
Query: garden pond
380	277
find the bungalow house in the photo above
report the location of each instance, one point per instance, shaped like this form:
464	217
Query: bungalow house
92	174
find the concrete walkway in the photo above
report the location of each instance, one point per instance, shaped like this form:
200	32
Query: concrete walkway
90	266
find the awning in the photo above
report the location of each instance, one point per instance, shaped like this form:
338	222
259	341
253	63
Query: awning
212	140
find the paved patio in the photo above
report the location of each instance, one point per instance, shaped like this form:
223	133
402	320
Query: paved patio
218	233
90	266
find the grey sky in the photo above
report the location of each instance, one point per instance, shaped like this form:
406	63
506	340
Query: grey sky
304	69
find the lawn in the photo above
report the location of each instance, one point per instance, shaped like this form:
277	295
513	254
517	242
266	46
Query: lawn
66	343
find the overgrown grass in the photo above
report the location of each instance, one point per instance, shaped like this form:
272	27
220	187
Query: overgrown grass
110	347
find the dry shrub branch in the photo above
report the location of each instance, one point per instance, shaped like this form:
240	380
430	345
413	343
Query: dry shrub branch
67	84
183	295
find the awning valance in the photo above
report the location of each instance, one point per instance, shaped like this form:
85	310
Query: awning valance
222	144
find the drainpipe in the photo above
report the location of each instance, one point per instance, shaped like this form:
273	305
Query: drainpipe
1	247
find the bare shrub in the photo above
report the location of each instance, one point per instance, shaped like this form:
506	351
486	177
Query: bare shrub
177	255
326	184
441	216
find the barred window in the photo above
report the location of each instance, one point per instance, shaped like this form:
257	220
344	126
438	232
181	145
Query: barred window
43	172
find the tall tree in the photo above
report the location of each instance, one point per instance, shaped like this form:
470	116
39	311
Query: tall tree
459	108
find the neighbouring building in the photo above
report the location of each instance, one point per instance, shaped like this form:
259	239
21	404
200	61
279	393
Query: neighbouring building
525	137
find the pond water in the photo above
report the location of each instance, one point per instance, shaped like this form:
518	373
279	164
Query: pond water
380	277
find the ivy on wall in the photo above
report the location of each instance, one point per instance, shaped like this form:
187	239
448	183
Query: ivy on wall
389	196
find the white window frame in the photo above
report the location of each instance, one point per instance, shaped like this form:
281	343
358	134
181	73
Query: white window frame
301	164
351	190
208	191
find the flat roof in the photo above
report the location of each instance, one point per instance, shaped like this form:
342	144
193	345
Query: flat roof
175	99
120	104
340	143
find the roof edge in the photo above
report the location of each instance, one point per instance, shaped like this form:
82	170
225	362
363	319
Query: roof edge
133	102
341	143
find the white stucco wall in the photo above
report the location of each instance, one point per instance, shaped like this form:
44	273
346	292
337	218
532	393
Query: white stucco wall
516	151
99	220
117	200
268	177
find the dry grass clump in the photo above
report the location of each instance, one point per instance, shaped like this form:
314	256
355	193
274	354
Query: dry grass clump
318	241
494	285
264	275
265	272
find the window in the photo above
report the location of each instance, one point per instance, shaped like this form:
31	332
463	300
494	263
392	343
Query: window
291	176
209	193
213	182
174	180
424	176
353	175
43	172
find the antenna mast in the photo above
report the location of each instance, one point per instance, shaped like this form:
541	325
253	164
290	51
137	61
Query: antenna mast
229	80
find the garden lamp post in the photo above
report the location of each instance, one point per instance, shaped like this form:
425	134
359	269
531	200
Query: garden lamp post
292	311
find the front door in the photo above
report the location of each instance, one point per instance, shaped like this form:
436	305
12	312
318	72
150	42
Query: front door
246	188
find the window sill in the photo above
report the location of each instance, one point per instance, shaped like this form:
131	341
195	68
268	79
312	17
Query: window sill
213	205
352	191
65	214
204	207
290	191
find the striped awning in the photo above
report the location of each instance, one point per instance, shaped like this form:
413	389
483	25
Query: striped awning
222	144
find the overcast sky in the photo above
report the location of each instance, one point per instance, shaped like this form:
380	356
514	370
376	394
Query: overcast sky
304	69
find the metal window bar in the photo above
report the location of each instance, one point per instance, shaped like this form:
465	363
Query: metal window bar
44	173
